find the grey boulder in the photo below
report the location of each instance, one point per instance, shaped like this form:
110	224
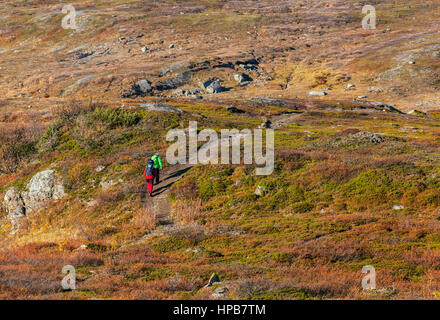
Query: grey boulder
161	107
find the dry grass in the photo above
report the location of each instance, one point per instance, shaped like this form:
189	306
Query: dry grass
146	218
188	211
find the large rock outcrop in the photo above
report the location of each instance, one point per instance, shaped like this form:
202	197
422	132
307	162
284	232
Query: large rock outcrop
42	187
14	206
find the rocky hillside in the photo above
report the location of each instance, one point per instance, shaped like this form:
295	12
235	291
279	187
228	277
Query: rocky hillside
356	179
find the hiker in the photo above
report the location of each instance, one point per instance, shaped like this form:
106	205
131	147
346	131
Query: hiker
149	175
157	164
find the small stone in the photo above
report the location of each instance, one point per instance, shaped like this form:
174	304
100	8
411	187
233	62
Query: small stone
99	168
260	190
171	46
412	62
91	203
351	86
144	49
417	113
398	207
219	292
242	78
266	125
108	183
317	93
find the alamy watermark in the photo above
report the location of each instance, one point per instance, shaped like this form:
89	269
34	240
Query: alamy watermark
69	281
369	21
369	281
229	138
69	21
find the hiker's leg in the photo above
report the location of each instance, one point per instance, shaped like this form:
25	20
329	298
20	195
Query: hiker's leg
150	188
157	175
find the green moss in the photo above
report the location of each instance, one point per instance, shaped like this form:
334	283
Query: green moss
282	257
286	293
96	247
115	117
173	243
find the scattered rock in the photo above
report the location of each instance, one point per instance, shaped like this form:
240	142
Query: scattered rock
383	106
248	65
99	168
242	78
351	86
194	250
195	92
212	86
266	101
398	207
42	187
179	80
110	183
362	97
144	49
174	67
412	62
171	46
82	55
260	190
317	93
220	292
266	124
213	279
414	129
180	92
161	107
233	109
417	113
15	207
371	137
352	137
142	87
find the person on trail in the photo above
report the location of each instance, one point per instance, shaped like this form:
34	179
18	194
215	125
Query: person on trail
157	164
149	175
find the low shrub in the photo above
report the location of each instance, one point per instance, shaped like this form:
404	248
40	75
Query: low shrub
115	117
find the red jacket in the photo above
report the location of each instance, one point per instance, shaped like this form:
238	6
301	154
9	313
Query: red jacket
148	176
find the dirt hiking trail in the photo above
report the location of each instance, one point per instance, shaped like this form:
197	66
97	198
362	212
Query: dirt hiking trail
160	202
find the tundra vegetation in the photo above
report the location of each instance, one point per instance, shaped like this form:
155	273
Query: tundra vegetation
355	183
